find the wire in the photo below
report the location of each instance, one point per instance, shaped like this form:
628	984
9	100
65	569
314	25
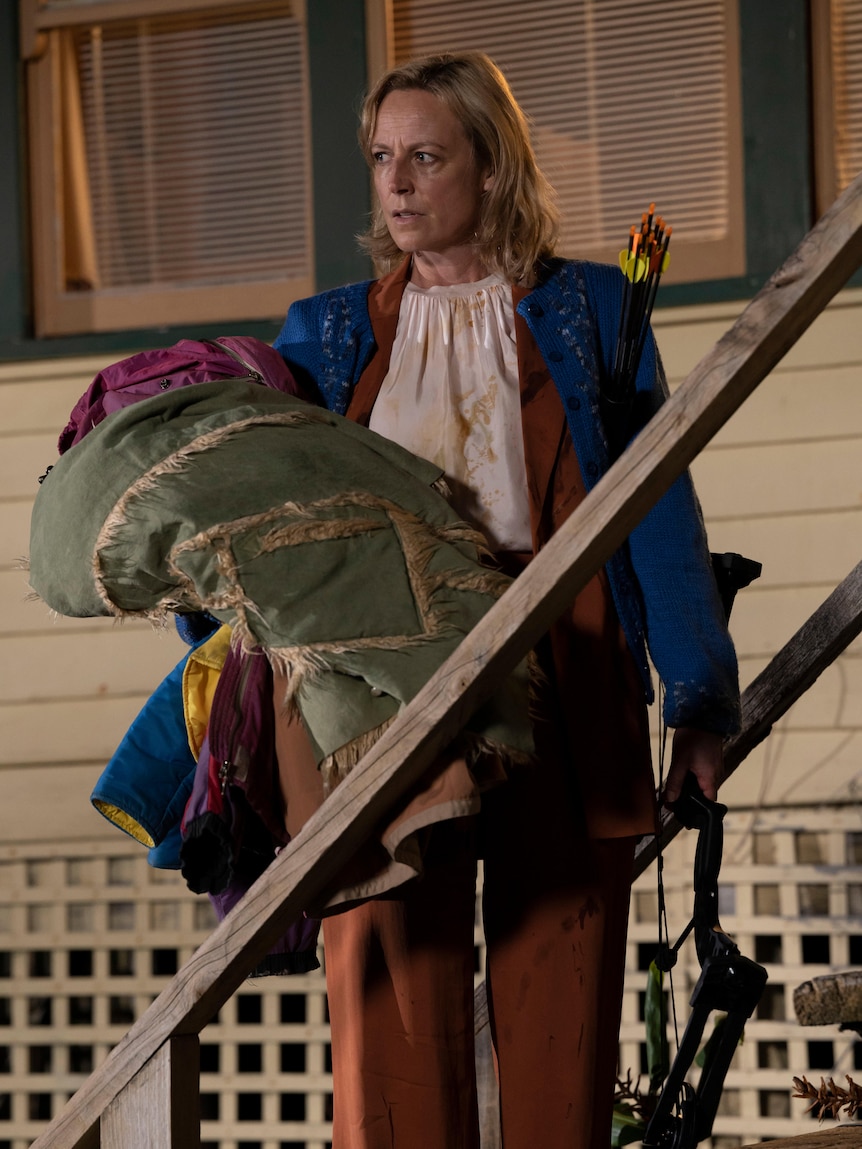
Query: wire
663	930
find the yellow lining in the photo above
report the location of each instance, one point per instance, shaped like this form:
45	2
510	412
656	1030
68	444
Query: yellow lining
125	822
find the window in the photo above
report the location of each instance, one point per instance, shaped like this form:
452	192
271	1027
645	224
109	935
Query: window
81	1059
39	1106
771	1006
810	847
210	1106
121	963
763	848
768	948
665	127
249	1106
813	899
836	34
80	917
168	162
121	1009
853	842
821	1055
121	871
292	1008
646	954
164	915
645	905
40	1059
249	1009
767	900
80	1010
80	963
249	1058
121	915
854	899
164	962
772	1055
293	1058
815	949
729	1103
39	1010
292	1106
774	1103
39	964
726	900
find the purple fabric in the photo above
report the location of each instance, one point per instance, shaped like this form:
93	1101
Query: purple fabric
231	826
294	952
230	831
190	361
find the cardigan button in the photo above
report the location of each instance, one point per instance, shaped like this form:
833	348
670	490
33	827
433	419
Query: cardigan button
573	403
555	356
535	310
592	469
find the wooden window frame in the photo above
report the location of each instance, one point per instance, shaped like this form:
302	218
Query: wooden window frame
58	311
692	261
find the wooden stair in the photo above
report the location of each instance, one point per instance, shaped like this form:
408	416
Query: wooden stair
144	1095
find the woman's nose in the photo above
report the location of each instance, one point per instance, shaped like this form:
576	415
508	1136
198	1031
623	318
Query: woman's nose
399	178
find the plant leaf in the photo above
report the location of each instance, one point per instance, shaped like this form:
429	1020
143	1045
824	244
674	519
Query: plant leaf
655	1016
626	1127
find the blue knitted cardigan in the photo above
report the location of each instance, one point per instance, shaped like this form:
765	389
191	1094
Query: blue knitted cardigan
661	579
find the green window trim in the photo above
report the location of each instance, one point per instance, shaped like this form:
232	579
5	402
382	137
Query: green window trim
777	131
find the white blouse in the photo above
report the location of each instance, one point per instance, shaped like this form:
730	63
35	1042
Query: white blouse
452	396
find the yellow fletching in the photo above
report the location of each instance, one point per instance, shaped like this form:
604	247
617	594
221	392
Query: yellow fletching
633	269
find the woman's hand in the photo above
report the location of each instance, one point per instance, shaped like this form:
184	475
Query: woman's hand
697	752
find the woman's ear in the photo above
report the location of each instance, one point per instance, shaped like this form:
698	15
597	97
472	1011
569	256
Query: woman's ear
489	181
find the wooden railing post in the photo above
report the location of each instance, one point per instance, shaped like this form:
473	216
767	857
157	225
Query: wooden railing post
160	1107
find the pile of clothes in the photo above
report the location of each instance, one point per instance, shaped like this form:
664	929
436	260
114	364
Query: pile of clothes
197	482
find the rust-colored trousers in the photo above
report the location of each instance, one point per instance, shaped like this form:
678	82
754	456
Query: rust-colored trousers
400	975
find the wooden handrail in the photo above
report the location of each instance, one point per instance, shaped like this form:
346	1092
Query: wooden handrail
798	664
717	386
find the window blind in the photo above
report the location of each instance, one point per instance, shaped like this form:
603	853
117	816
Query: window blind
194	140
179	164
631	101
846	50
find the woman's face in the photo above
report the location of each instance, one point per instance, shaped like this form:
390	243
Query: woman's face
426	177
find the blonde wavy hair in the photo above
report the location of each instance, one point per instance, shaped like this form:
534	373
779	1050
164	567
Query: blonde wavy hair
519	222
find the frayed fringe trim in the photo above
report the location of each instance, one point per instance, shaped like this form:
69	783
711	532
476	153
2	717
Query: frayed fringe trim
442	488
158	619
538	684
335	767
300	663
477	746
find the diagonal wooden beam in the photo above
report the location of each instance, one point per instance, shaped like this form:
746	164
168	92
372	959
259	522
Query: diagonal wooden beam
771	323
798	664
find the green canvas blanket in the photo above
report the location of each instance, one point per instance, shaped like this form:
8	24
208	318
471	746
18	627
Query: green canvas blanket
317	540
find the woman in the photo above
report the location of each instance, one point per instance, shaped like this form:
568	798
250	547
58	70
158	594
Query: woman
483	353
